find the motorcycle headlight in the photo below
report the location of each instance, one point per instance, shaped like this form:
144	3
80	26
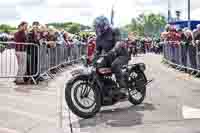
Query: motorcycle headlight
142	66
100	60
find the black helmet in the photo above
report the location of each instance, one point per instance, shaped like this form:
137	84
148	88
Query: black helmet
101	25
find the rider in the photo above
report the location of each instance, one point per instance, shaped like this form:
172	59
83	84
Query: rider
108	41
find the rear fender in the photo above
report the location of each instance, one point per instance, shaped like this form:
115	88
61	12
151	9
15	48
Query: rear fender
137	67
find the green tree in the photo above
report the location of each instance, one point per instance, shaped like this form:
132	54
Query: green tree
6	28
70	26
149	25
74	28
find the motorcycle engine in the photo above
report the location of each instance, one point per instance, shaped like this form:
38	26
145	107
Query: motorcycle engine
110	89
109	86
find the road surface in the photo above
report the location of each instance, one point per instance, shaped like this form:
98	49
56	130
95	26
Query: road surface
171	106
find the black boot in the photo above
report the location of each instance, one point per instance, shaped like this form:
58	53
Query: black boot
122	83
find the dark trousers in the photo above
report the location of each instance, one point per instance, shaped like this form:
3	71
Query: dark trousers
116	67
172	49
53	57
32	61
192	55
198	54
184	51
176	55
116	64
69	52
134	49
168	52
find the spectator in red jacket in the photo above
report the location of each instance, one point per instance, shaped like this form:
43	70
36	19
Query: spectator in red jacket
91	48
172	38
68	44
21	37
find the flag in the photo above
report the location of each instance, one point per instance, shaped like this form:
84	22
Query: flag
169	11
112	16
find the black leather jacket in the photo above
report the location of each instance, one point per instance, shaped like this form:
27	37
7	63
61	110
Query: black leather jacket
107	43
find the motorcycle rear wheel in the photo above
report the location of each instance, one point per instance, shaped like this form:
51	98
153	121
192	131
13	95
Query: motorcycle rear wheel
138	89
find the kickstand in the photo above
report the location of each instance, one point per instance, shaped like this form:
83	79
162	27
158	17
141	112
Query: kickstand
149	81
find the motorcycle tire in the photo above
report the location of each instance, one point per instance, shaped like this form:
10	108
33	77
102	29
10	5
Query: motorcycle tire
139	87
81	111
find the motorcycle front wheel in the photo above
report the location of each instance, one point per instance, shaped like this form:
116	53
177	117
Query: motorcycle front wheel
83	99
137	92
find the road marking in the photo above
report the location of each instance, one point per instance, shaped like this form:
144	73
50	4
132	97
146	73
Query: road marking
190	113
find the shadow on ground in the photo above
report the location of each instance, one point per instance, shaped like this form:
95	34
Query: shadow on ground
120	117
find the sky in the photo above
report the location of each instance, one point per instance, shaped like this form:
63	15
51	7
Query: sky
84	11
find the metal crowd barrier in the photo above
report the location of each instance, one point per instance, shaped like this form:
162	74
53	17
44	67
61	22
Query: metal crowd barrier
19	60
182	55
27	60
54	58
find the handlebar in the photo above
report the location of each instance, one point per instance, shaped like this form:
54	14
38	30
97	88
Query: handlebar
103	55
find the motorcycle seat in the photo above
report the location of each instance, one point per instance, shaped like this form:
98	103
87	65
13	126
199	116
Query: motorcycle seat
108	70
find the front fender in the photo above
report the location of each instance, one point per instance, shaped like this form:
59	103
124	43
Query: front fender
76	78
78	74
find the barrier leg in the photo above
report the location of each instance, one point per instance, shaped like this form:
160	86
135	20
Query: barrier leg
59	69
34	81
197	74
50	75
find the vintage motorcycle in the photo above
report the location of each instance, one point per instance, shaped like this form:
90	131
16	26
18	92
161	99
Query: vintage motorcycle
94	86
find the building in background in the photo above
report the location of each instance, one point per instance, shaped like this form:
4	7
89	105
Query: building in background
184	24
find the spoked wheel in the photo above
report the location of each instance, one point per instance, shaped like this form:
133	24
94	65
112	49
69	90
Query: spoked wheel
137	91
84	96
83	99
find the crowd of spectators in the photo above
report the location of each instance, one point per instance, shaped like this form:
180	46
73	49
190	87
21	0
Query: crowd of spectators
37	34
176	38
27	40
185	38
143	45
